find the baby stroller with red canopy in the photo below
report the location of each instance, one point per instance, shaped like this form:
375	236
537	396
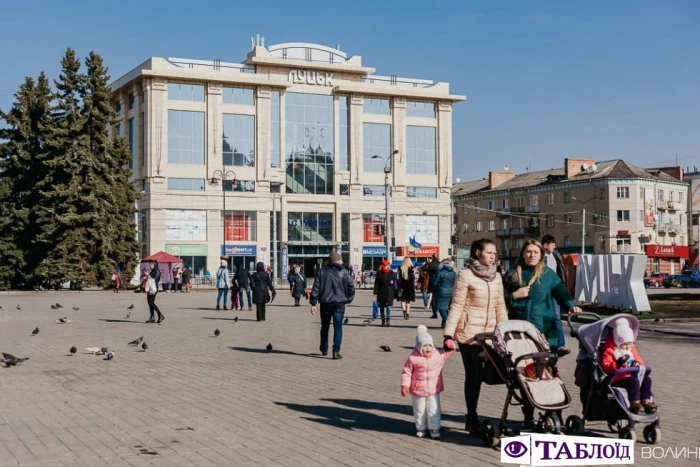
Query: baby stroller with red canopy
518	355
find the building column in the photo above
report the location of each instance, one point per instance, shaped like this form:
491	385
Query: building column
444	145
262	135
356	168
398	141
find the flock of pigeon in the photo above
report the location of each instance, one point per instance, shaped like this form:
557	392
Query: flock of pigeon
11	360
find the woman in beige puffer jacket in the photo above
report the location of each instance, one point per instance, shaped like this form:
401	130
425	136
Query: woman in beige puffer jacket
477	306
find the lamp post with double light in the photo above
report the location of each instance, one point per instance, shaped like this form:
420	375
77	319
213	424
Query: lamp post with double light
387	211
224	175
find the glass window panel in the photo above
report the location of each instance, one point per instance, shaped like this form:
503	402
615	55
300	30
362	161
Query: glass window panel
309	140
186	92
185	143
238	142
373	190
240	226
247	186
420	150
377	141
376	106
421	192
189	184
241	96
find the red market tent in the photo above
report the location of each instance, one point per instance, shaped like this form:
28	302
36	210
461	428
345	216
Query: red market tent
166	262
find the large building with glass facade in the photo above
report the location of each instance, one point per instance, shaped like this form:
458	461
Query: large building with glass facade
222	150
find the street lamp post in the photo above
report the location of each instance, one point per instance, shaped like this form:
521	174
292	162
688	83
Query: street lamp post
583	223
224	175
387	211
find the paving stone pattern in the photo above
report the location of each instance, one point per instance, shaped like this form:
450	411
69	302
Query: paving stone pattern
196	400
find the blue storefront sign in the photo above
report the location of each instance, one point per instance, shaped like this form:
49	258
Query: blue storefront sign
239	250
374	251
285	263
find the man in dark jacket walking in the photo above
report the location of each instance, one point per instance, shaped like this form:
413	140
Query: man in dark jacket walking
333	288
555	262
433	268
242	279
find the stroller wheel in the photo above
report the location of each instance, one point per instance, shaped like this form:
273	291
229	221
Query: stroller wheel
490	434
652	434
627	433
574	425
614	427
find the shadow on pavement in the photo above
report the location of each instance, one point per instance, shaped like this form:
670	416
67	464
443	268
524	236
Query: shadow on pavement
227	319
278	352
119	321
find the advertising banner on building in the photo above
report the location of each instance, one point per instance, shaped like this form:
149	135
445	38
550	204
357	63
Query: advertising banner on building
695	195
374	251
667	251
649	211
186	250
421	230
239	250
285	262
356	259
186	225
424	251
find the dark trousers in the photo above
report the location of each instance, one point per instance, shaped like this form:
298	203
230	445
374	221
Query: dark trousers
472	378
296	301
152	307
433	304
174	284
561	343
260	311
336	313
634	391
245	289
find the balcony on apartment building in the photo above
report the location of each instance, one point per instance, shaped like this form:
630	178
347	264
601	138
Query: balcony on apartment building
532	231
625	248
506	212
668	228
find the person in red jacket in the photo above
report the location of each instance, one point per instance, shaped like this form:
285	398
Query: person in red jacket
422	378
620	352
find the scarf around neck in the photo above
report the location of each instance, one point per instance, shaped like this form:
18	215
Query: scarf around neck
487	273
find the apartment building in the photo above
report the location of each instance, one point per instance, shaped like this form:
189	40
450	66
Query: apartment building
619	207
284	155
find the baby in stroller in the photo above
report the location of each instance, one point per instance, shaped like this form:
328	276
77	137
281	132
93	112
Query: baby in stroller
620	352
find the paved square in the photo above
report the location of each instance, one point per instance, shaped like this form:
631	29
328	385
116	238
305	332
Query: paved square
194	399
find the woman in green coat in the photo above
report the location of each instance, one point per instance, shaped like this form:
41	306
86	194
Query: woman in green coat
444	285
530	290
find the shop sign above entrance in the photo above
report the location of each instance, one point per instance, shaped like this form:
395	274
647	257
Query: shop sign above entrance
239	250
311	77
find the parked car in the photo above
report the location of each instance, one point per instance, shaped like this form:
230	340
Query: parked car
680	281
692	276
655	280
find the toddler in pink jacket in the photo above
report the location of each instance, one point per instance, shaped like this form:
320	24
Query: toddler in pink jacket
422	378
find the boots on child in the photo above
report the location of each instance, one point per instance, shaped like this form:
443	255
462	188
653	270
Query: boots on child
635	407
649	406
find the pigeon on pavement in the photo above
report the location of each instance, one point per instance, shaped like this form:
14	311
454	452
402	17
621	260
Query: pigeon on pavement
76	308
19	307
58	305
217	333
235	320
63	320
130	307
2	307
35	331
367	320
54	307
73	349
136	341
269	347
385	348
144	346
346	321
11	360
128	315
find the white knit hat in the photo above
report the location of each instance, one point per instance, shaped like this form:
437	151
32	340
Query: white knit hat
622	332
423	338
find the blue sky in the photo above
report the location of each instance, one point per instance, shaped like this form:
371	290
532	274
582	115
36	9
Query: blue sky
545	80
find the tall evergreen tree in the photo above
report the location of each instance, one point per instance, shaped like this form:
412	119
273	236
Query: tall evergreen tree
60	253
21	156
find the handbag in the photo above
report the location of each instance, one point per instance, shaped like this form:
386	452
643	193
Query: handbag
268	298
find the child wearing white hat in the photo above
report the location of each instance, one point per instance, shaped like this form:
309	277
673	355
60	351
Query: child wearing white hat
620	352
422	378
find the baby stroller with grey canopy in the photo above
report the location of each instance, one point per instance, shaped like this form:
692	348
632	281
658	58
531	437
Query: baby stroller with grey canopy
518	355
600	399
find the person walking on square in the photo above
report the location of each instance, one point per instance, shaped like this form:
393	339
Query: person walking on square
222	284
554	261
433	269
242	280
422	378
186	278
117	278
334	289
384	291
262	286
297	285
176	276
478	304
444	285
150	286
406	288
